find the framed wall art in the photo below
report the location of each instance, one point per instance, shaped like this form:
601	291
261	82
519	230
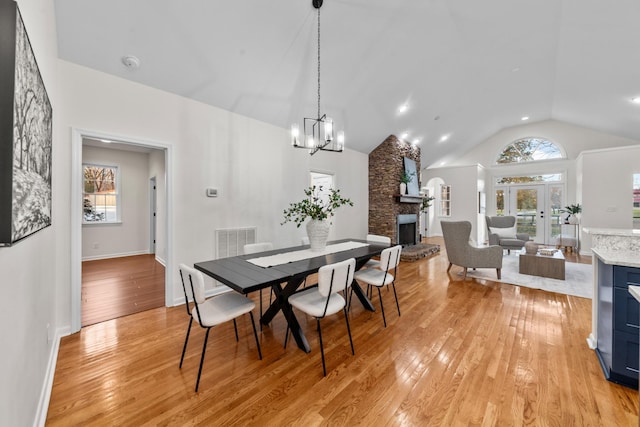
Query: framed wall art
25	133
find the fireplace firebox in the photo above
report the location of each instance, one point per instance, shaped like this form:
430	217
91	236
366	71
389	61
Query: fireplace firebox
407	229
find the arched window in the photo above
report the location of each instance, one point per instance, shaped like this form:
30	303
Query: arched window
529	150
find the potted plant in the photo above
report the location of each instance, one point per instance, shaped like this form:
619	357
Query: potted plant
319	207
405	178
573	211
426	203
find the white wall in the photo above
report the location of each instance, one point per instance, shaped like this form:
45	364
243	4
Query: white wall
607	189
251	163
30	268
464	196
130	236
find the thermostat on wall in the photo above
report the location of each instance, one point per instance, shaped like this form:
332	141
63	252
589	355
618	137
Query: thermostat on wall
212	192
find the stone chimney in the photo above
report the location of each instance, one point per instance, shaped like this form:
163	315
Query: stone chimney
385	167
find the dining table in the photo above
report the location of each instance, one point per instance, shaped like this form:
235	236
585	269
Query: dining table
243	274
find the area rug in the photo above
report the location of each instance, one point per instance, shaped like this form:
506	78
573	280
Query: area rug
578	277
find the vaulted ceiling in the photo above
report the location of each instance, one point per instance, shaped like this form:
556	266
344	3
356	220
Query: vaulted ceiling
464	68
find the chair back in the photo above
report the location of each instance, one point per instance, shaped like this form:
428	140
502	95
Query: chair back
336	277
196	281
501	221
186	285
375	238
456	240
390	258
252	248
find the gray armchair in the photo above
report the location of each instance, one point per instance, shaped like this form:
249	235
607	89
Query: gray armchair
502	231
460	252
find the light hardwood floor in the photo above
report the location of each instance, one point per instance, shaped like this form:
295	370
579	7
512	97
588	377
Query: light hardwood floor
117	287
471	352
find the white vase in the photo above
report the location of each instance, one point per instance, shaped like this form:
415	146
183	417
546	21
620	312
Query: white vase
318	232
573	219
403	188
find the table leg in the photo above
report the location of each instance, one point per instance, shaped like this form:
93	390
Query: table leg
366	303
282	294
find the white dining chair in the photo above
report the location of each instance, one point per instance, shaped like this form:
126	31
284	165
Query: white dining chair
389	260
213	311
325	300
252	248
375	238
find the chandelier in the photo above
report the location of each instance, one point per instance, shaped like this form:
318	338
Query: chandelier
318	132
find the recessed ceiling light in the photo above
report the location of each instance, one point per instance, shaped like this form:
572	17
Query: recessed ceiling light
404	135
524	118
443	138
403	108
443	163
636	99
415	141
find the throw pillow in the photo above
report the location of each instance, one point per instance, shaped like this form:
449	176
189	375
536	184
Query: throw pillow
504	233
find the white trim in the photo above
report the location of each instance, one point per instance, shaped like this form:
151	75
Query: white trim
120	255
76	214
161	261
47	385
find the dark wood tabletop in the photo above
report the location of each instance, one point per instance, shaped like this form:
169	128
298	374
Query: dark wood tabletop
245	277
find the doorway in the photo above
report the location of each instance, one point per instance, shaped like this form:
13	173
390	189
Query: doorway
163	228
536	208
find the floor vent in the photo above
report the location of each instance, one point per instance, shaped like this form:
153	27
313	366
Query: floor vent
231	241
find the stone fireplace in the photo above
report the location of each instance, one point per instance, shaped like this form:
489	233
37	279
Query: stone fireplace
386	206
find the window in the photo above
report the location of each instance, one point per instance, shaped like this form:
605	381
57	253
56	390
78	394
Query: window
100	195
550	177
529	150
445	200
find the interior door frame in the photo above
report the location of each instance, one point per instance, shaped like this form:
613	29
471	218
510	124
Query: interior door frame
77	136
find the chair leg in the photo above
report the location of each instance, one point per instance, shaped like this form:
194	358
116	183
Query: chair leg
346	318
255	334
186	339
384	319
204	349
324	368
499	271
449	268
261	308
464	276
393	284
286	336
235	327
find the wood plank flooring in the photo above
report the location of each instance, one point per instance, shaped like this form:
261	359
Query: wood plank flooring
117	287
468	353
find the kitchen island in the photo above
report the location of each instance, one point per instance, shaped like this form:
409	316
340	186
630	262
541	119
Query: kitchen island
615	313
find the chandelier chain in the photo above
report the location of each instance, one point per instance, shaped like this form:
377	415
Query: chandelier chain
318	62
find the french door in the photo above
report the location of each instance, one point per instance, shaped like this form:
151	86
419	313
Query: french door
536	208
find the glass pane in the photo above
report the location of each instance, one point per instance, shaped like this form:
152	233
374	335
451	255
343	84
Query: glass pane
500	202
527	210
555	204
529	150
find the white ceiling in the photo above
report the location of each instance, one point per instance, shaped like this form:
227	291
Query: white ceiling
466	68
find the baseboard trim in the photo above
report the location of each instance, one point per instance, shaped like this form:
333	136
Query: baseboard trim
120	255
161	261
47	385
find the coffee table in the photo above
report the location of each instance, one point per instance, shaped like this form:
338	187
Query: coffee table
551	266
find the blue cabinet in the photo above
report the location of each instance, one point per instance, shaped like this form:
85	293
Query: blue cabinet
619	329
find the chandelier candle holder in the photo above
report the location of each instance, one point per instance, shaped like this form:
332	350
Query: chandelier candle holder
318	132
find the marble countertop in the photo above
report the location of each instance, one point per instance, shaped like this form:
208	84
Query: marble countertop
627	258
635	291
612	231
